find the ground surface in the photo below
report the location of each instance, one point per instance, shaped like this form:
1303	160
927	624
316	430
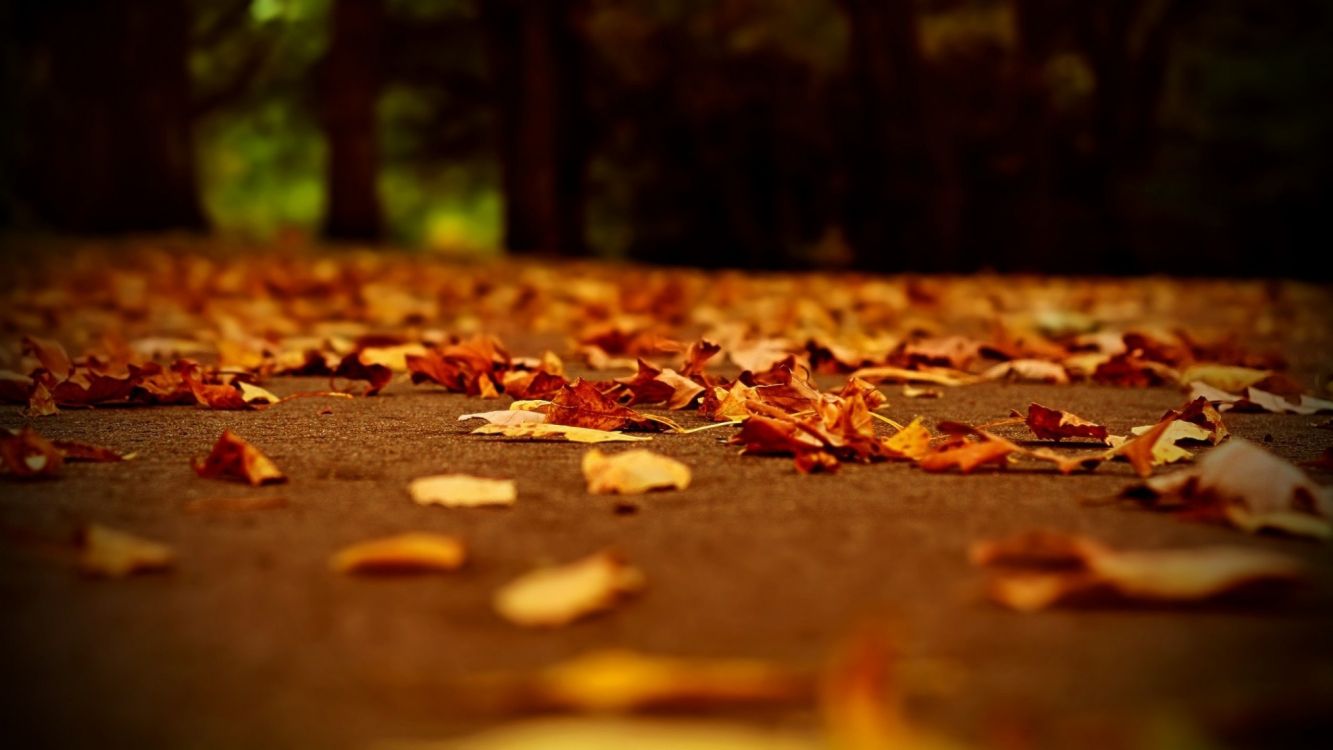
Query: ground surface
253	642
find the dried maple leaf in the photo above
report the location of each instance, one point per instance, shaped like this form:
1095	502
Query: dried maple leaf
564	432
1053	424
697	356
111	553
656	385
633	472
474	366
462	491
727	404
555	596
415	552
232	457
774	436
1248	487
353	368
26	454
1259	400
580	404
967	456
1046	568
619	680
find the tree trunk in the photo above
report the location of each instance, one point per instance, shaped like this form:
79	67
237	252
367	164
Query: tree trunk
106	126
350	86
536	60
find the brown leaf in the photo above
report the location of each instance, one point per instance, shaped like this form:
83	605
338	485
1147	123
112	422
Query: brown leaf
580	404
472	366
26	454
1251	488
416	552
1052	424
969	455
697	356
555	596
1046	568
51	355
234	458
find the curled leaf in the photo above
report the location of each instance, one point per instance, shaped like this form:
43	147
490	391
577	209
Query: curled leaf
1053	424
572	434
234	458
405	553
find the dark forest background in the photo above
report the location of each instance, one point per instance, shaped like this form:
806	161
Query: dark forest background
1116	136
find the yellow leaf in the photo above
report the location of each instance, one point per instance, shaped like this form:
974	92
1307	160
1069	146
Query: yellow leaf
404	553
550	597
632	472
462	491
572	434
111	553
1224	377
912	441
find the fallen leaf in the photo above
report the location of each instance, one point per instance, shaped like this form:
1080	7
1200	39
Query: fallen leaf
1046	568
622	680
911	391
233	457
416	552
580	404
253	394
1028	371
966	457
633	472
26	454
911	442
462	491
111	553
555	596
73	450
901	375
572	434
1249	487
1148	450
1052	424
1223	377
507	417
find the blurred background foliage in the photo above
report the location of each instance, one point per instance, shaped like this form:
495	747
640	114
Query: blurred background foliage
1062	135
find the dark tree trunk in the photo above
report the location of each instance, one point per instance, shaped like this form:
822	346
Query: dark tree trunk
106	122
905	195
350	86
536	57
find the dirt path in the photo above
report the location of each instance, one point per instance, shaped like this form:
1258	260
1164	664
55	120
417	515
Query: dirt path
253	642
